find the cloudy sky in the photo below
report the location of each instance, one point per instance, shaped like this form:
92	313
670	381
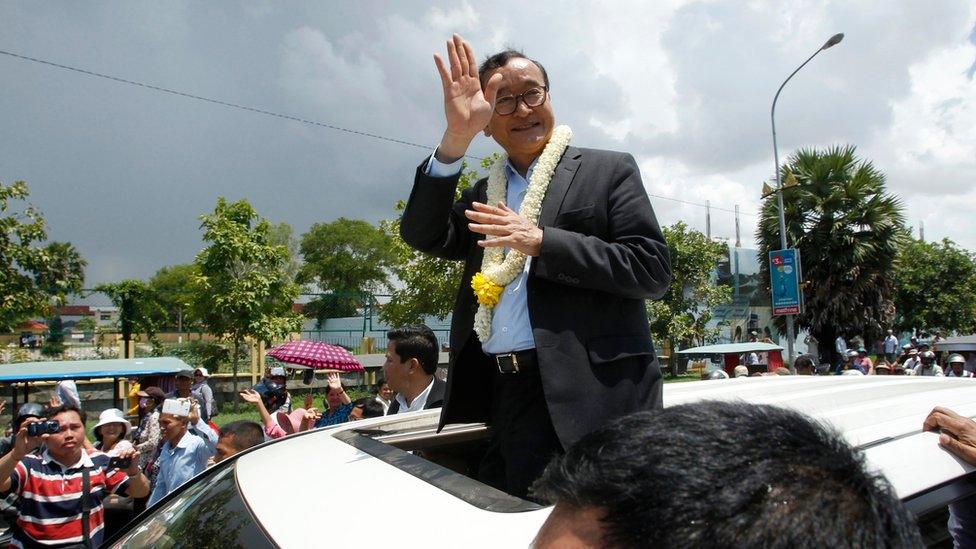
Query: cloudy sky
124	172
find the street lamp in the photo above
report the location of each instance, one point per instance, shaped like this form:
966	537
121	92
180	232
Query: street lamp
833	41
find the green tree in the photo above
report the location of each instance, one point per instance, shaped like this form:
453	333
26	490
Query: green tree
682	315
935	287
66	271
173	287
283	234
54	343
351	259
427	285
243	290
139	311
846	226
32	275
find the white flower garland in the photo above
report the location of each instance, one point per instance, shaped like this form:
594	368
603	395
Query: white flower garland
497	266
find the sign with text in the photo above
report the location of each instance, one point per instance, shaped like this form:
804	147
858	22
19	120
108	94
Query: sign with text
784	282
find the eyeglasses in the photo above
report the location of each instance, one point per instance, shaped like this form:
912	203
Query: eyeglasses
533	97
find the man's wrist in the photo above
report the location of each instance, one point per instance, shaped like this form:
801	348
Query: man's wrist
452	148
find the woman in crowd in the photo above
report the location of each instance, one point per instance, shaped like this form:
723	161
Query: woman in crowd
384	395
111	432
203	393
339	403
279	423
150	399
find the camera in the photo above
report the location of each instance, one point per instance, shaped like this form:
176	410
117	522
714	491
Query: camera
119	463
39	428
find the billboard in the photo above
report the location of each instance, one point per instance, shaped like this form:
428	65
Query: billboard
784	282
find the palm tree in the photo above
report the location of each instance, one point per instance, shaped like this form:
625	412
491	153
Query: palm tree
846	227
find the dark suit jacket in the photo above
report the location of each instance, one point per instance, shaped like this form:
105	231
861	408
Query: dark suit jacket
435	399
603	254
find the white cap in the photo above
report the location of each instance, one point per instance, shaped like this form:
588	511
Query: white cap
203	371
277	371
177	407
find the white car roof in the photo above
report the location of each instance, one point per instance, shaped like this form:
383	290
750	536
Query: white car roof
352	496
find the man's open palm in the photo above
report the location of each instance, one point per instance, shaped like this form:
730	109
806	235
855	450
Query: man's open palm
467	107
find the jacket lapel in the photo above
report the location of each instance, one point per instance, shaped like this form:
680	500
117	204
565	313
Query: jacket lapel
561	181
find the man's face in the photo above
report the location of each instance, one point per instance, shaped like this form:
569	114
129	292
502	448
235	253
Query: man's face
570	528
356	414
225	448
395	371
956	367
183	384
69	439
527	130
172	426
386	392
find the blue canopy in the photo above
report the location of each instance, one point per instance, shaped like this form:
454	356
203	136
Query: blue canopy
88	369
731	348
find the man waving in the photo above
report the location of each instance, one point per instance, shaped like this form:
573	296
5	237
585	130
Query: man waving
549	337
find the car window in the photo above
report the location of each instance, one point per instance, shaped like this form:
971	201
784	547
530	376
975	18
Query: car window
207	514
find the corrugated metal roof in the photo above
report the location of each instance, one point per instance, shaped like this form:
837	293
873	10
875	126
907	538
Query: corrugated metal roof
88	369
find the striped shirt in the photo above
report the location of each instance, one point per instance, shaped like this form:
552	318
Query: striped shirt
47	497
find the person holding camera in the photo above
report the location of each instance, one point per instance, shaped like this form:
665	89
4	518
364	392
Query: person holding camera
58	494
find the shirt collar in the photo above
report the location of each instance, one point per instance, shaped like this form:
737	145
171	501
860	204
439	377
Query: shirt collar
418	402
510	170
83	461
184	440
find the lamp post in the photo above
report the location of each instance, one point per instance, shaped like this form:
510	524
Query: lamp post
833	41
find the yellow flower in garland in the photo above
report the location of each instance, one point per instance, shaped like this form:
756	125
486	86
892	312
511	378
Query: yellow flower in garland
487	292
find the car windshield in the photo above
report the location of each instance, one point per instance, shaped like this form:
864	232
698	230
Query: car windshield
208	513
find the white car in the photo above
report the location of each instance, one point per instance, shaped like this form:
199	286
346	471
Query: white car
395	480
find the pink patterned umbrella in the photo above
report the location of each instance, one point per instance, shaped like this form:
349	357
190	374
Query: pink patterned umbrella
317	355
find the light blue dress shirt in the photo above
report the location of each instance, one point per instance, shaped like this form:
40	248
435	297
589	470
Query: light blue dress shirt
510	326
185	461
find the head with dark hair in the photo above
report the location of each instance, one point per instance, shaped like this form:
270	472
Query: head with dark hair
805	365
500	59
754	476
415	342
238	436
66	445
51	411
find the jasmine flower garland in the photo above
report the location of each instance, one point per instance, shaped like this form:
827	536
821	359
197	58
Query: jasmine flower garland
498	268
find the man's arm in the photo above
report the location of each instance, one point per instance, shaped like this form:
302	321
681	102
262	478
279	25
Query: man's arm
22	445
430	223
633	262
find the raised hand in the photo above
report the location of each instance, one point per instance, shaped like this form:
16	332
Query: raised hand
467	107
250	395
333	379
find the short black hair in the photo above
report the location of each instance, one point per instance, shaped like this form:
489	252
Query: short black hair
751	475
417	341
52	411
501	59
246	434
805	361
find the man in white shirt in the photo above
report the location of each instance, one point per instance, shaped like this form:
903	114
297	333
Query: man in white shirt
411	360
890	346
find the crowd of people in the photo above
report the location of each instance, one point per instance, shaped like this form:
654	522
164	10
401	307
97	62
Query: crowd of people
167	438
